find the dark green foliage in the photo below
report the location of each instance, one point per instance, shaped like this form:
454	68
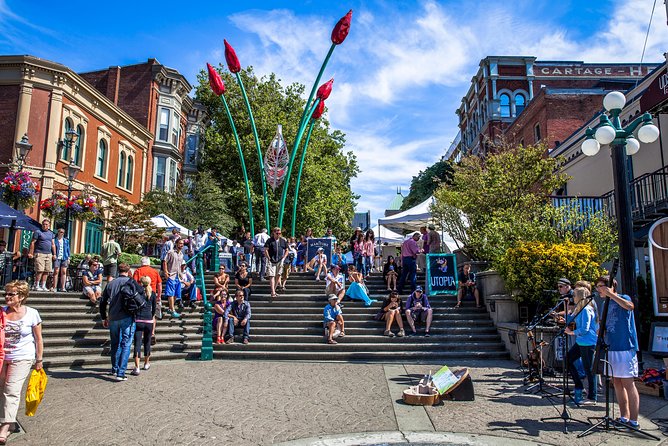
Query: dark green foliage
426	182
325	198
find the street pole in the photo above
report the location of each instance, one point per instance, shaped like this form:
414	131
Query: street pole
67	209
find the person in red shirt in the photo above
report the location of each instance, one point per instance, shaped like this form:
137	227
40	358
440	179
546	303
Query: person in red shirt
147	270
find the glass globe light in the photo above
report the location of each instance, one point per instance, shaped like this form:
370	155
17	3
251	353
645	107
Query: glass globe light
632	146
605	134
614	100
590	147
648	133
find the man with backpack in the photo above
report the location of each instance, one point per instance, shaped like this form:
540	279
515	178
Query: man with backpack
124	297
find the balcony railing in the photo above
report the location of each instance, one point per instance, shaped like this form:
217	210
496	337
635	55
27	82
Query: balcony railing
649	199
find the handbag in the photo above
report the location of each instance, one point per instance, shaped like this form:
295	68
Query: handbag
35	391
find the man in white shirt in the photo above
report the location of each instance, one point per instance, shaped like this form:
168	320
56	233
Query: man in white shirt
260	259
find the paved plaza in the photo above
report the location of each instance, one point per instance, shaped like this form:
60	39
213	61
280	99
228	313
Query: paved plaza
258	403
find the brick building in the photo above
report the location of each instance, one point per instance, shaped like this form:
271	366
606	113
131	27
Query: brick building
44	99
504	88
157	97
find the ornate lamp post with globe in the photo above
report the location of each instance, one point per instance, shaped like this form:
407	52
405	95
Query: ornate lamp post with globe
71	171
623	143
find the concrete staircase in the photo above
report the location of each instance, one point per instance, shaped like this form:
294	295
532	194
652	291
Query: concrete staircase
289	328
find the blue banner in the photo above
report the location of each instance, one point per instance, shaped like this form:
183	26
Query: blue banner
313	244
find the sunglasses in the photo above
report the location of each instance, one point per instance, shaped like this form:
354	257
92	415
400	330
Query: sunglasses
11	294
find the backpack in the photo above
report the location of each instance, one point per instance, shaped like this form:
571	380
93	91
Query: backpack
132	297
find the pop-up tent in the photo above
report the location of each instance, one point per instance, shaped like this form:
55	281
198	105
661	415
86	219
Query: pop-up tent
166	223
384	235
414	218
410	219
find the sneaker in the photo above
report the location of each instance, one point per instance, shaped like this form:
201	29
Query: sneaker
121	378
135	371
426	334
230	341
401	333
193	305
633	424
179	305
588	402
246	341
388	333
147	366
175	315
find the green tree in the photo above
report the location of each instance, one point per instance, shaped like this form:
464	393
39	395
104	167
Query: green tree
131	225
197	203
496	202
325	197
426	182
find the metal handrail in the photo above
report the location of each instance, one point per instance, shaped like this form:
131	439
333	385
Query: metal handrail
206	354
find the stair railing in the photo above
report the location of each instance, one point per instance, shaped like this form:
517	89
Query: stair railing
206	354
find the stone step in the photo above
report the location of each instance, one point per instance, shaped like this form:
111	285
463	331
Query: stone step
402	356
349	345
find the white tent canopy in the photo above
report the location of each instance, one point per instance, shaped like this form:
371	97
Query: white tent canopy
166	223
412	219
384	235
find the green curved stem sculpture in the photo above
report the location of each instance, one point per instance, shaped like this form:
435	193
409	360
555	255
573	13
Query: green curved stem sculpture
302	125
259	152
206	354
243	165
299	176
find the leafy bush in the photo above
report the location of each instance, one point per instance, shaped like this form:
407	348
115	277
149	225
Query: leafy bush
131	259
530	267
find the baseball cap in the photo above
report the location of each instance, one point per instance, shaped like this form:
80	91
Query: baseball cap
332	297
419	288
564	281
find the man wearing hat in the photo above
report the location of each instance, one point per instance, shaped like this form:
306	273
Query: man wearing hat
333	319
335	283
418	309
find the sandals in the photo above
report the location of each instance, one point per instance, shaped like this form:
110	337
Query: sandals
458	305
332	341
342	334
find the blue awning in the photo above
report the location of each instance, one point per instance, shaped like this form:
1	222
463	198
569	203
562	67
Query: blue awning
20	220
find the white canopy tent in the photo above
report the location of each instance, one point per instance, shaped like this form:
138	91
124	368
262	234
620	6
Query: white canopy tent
384	235
414	218
163	221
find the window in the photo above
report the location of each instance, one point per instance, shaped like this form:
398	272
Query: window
163	131
175	131
504	100
520	103
128	173
192	141
121	170
76	156
159	167
65	154
172	176
101	165
536	132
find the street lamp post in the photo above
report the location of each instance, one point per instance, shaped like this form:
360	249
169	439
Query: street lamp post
23	147
623	143
72	170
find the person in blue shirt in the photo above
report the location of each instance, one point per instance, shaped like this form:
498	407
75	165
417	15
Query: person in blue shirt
418	309
333	319
622	341
585	333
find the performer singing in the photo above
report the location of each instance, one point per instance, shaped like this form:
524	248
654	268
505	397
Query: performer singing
585	330
622	341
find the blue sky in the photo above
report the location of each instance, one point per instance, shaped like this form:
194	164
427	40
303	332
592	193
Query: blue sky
399	77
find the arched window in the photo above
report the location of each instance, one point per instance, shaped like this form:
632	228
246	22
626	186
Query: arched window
65	154
520	103
128	174
121	170
101	166
504	100
76	155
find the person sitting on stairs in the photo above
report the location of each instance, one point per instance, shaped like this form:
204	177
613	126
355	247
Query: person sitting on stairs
333	319
418	308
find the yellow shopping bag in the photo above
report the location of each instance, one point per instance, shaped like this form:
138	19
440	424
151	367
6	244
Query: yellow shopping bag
35	391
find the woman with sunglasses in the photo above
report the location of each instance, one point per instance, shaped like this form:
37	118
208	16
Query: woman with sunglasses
22	348
243	280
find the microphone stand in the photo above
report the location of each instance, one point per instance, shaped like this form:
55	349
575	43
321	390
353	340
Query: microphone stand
541	382
565	415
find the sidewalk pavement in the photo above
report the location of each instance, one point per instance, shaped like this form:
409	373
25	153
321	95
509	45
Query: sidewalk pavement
259	403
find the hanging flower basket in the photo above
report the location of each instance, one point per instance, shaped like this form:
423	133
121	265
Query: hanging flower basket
19	188
81	208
